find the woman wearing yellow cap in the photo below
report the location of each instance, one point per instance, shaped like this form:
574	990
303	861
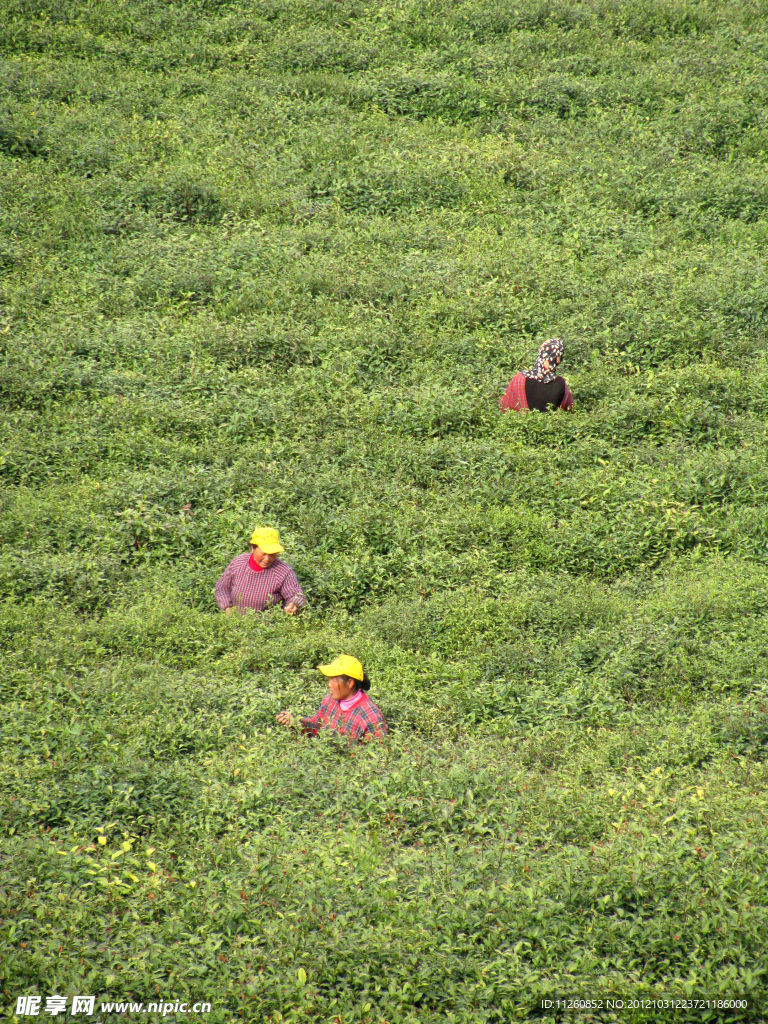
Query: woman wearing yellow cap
347	709
259	579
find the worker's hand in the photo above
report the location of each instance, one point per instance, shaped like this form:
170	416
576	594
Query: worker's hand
285	718
230	610
291	608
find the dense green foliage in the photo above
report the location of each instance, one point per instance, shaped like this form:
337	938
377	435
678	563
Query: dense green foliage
274	264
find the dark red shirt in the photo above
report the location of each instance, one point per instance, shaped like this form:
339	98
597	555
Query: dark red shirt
525	393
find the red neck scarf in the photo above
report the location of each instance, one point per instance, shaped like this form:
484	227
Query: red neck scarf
252	563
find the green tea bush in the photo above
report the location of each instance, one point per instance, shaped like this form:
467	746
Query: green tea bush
276	264
23	146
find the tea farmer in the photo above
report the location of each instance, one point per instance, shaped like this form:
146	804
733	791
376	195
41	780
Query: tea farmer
346	709
540	388
259	579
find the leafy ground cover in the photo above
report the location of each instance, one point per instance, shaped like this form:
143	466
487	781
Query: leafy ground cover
275	263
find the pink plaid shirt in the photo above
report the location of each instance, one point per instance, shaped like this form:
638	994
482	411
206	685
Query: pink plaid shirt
362	721
241	587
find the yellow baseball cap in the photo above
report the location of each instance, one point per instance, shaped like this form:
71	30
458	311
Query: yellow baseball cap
268	540
344	665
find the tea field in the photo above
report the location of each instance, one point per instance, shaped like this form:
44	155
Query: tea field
275	263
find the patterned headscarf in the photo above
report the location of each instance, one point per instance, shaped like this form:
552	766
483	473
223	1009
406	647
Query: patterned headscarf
549	351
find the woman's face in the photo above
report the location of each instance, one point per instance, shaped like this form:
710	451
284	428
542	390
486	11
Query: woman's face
341	687
261	558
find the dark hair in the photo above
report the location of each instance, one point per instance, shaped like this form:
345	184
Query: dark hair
364	685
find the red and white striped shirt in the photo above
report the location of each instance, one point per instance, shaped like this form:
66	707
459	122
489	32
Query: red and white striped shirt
242	587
